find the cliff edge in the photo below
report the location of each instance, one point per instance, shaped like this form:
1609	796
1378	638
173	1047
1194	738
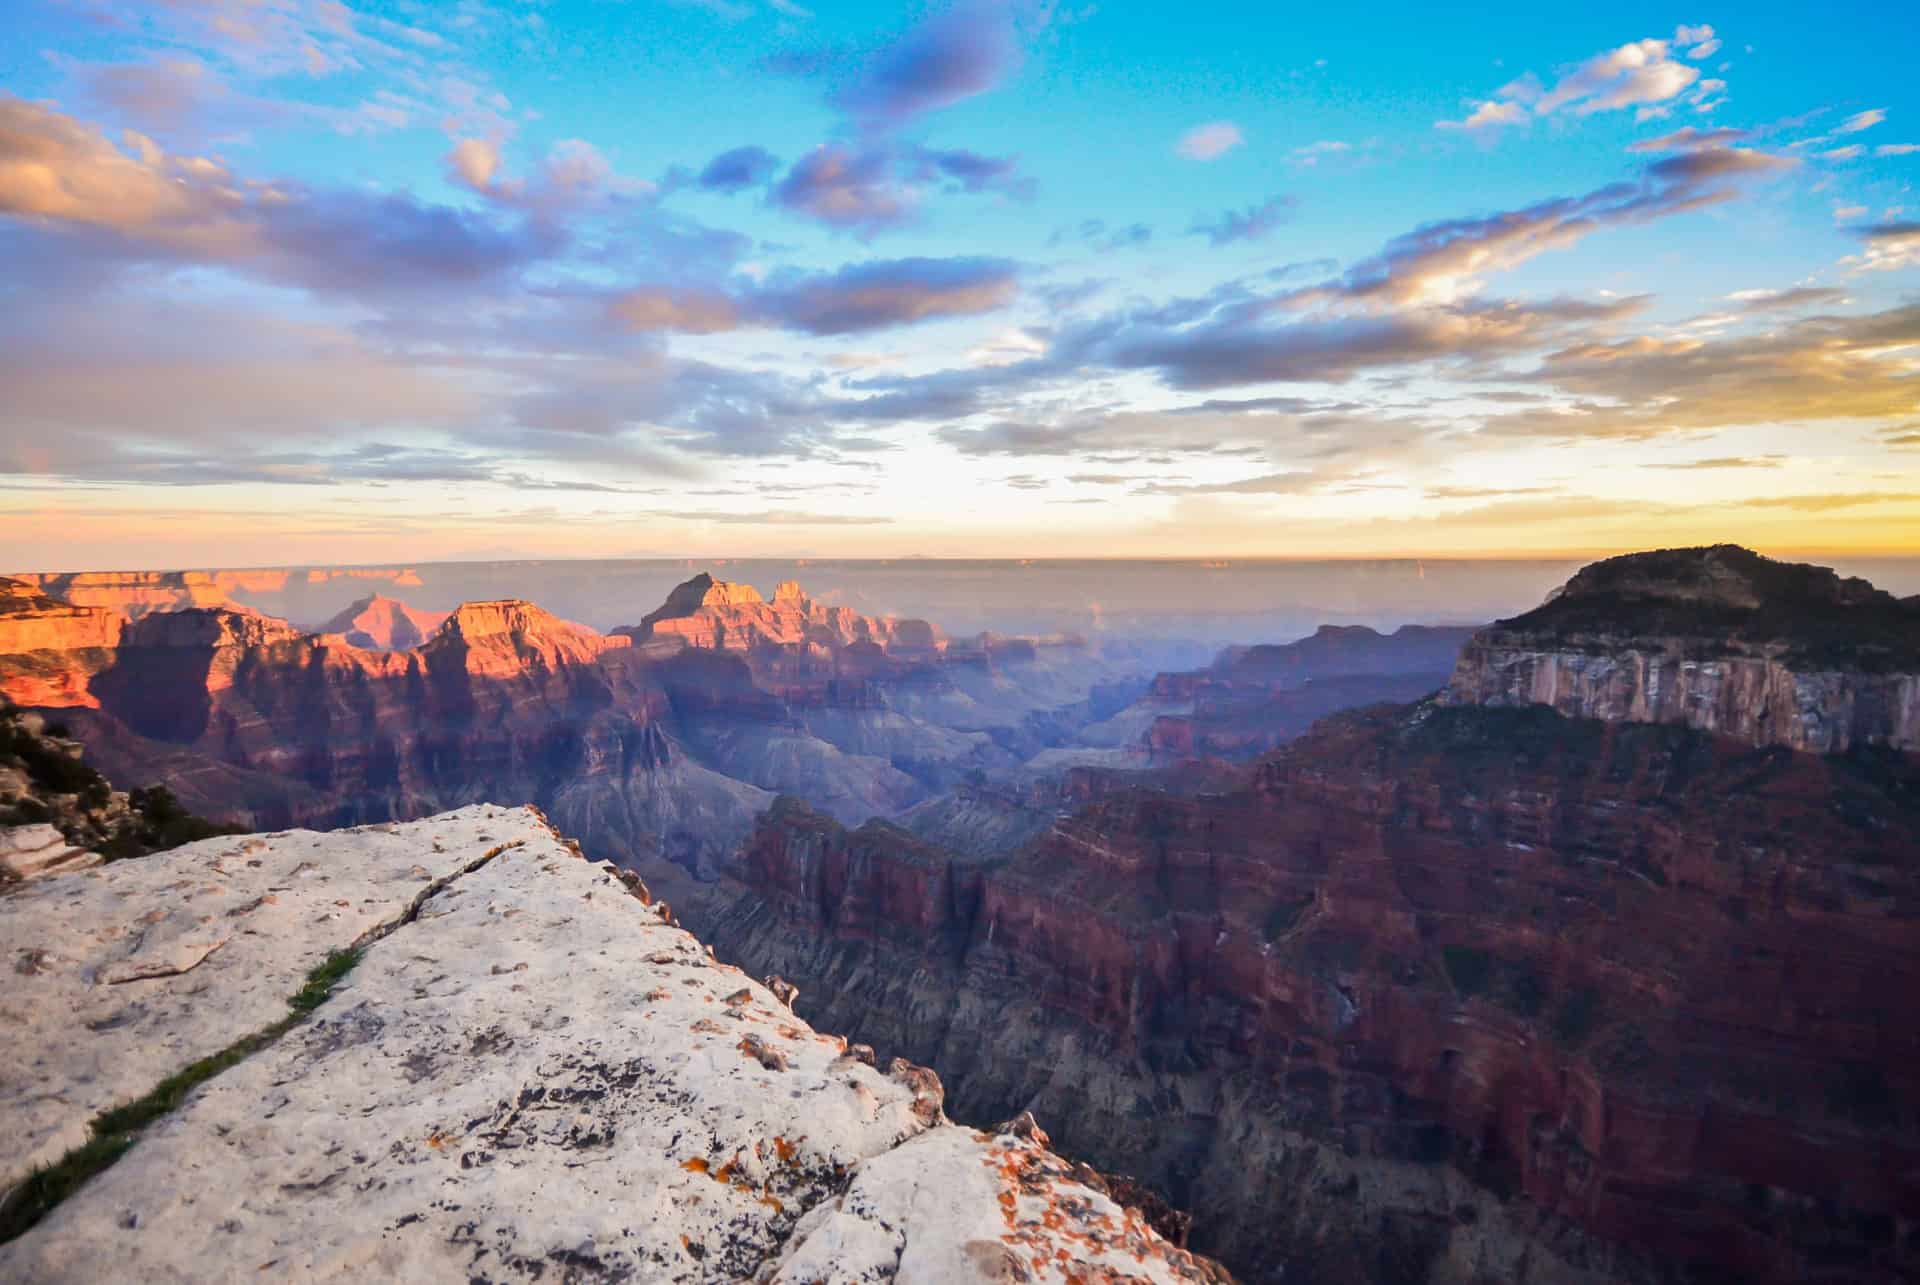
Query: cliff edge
500	1061
1718	638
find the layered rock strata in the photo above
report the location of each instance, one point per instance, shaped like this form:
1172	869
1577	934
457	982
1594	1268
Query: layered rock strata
1444	994
1717	638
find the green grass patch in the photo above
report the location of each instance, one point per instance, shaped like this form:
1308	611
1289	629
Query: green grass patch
114	1131
321	981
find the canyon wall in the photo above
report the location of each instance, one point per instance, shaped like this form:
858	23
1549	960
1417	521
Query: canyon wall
649	747
1436	993
1719	639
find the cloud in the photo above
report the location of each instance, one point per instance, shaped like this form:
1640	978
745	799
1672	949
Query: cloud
1489	114
686	310
1225	352
1786	300
1827	501
891	292
1255	223
738	169
877	187
946	59
1725	462
874	295
1098	234
1642	74
1314	153
1209	142
1444	261
57	168
1812	369
167	96
1860	120
1890	246
970	171
474	162
845	188
1687	138
572	177
1896	149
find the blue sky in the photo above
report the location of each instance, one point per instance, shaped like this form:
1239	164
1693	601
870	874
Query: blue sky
295	280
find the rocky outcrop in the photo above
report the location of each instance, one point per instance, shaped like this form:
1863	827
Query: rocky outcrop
1435	993
379	623
527	1072
1717	638
57	813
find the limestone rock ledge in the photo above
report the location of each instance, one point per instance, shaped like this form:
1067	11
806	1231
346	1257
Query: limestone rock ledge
531	1073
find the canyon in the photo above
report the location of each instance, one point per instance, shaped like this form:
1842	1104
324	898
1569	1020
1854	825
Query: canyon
1574	947
1458	990
654	743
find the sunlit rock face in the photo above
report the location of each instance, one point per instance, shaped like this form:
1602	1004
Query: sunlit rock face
649	747
133	594
1718	638
531	1073
704	612
383	624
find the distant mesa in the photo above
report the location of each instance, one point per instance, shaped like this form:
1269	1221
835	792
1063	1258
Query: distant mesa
384	624
1718	638
728	616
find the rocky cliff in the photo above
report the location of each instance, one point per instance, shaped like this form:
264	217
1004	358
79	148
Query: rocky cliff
656	750
1717	638
57	813
1435	993
379	623
704	612
500	1062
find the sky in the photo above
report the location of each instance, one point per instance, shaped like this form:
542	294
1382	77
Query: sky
298	281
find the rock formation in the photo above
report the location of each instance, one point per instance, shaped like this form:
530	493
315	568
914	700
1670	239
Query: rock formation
383	624
1718	638
58	813
133	594
1435	993
501	1062
661	750
704	612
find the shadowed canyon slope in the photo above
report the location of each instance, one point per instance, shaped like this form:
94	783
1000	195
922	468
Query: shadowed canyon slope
1462	990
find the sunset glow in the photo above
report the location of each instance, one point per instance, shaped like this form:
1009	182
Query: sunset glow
290	281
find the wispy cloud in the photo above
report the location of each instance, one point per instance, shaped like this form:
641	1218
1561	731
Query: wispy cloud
1209	142
1644	74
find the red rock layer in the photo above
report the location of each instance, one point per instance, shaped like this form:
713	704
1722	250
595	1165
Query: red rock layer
1629	980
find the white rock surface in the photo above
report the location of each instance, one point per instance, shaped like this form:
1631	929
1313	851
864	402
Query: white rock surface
34	851
121	975
535	1077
